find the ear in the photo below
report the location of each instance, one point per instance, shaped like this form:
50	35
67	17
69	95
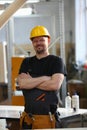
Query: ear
49	40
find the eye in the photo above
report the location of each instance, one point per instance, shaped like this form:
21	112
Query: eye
35	41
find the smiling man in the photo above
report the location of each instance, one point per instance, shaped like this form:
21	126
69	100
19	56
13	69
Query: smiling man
40	77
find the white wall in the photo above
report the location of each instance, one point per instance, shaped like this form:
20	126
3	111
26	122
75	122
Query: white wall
23	26
80	31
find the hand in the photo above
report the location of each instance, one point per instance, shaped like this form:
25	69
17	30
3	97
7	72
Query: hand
24	76
22	79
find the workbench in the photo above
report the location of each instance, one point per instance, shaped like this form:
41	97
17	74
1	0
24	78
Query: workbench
12	113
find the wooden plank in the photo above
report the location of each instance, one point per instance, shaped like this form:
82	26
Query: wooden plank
16	62
18	100
3	67
10	10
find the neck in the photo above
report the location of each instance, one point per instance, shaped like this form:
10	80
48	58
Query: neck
39	56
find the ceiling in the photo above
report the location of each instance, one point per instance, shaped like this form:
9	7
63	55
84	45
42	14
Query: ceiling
5	3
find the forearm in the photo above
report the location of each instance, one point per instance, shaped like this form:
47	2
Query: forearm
53	84
47	83
29	83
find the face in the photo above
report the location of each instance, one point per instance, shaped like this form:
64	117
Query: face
40	44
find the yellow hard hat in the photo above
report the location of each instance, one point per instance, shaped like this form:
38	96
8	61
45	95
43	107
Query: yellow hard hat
39	31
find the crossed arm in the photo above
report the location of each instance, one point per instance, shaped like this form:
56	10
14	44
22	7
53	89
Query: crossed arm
48	83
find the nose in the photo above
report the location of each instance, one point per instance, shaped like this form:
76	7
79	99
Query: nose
38	42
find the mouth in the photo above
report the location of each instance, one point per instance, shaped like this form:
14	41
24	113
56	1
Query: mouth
39	49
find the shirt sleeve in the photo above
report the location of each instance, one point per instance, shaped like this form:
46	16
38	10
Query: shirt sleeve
59	66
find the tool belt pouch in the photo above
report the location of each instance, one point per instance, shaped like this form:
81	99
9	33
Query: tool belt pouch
24	118
43	121
38	121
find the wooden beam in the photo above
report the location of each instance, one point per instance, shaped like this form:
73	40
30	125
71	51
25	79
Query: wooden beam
10	10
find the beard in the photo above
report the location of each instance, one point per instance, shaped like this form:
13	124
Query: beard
40	49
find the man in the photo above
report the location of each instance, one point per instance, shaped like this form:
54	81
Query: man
40	78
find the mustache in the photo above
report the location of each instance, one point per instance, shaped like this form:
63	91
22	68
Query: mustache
38	45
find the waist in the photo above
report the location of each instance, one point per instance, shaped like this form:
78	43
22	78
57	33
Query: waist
38	110
42	109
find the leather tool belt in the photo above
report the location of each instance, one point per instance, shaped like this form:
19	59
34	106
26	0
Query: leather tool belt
38	121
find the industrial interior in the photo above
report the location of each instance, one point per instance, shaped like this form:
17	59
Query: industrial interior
66	21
